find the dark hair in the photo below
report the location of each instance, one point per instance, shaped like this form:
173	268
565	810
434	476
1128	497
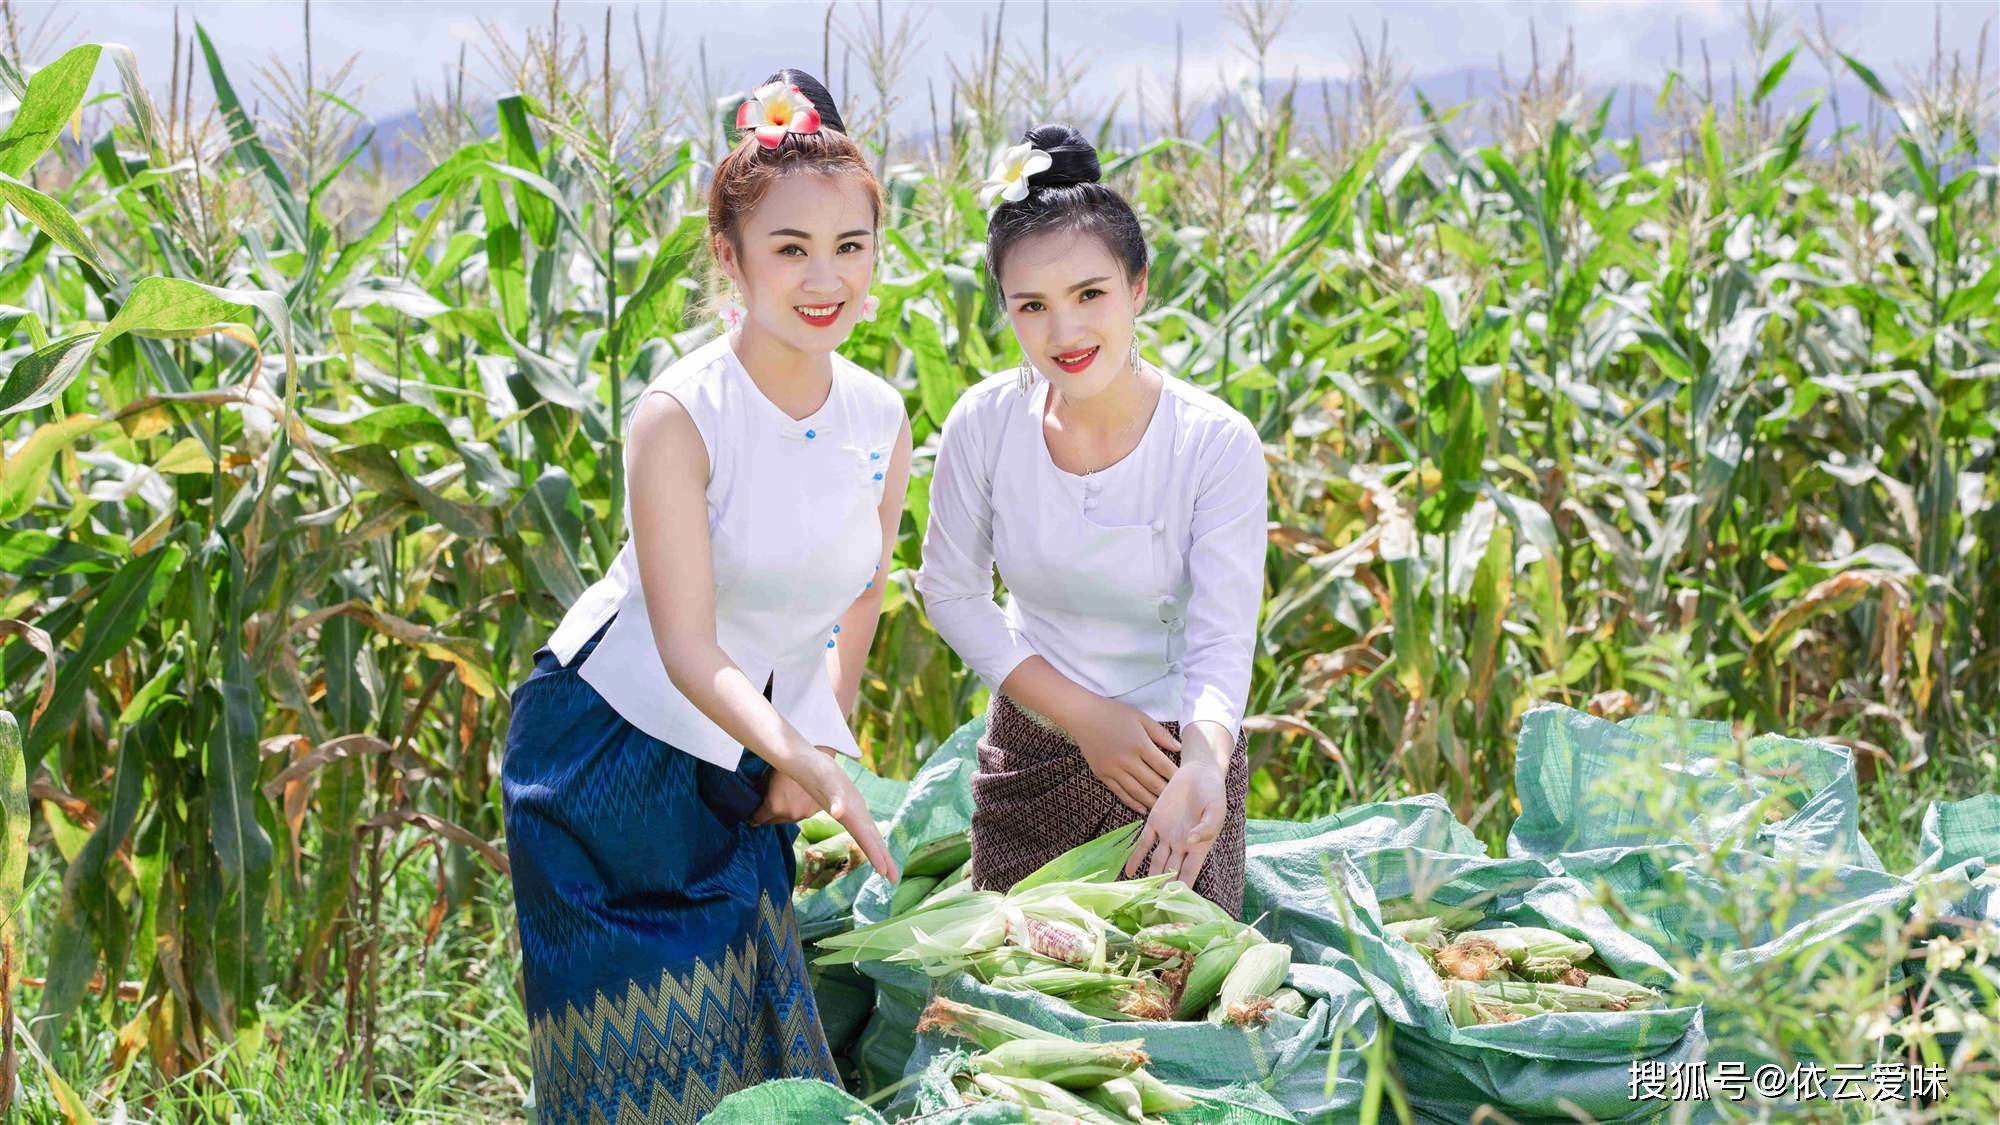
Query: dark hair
750	169
1067	197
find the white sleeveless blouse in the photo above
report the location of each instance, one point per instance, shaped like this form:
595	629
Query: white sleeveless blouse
794	538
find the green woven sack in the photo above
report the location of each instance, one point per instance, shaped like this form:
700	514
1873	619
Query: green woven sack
792	1101
1323	896
937	802
1577	777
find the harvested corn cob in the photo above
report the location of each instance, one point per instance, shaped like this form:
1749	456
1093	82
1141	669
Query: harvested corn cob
986	1028
1246	991
911	891
819	826
1531	949
828	860
1211	967
1065	1062
1119	1097
1428	932
1290	1001
939	857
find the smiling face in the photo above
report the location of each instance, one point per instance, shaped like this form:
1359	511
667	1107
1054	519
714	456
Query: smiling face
1072	308
802	259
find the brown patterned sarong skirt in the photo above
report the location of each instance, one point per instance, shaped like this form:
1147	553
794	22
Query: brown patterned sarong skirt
1035	798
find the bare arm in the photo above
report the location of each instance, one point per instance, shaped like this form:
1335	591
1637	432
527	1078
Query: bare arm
849	656
667	465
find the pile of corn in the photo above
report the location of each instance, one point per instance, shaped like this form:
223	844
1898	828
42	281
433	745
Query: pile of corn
1137	949
1099	1083
1507	973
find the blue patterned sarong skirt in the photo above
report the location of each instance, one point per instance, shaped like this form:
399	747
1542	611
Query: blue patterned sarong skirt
661	957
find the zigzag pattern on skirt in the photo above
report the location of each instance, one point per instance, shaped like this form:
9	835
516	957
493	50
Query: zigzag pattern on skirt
665	1054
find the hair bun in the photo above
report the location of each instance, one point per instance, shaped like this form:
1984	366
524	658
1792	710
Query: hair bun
1072	160
816	93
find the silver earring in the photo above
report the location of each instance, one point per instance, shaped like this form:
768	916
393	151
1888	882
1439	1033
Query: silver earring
1133	358
1026	378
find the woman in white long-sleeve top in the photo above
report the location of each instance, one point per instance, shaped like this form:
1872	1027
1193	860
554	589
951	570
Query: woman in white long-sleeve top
1125	510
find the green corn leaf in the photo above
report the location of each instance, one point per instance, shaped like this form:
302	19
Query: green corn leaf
266	175
120	610
518	143
53	95
56	222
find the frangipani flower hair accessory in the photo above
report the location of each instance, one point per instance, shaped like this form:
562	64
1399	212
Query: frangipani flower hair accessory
1009	179
773	110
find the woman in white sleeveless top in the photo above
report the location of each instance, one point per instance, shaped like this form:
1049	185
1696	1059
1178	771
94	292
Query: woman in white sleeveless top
1125	511
652	857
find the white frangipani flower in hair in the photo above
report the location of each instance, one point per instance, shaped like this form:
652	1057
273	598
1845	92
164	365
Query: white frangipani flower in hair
1009	180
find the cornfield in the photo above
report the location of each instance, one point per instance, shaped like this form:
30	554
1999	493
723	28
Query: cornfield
303	459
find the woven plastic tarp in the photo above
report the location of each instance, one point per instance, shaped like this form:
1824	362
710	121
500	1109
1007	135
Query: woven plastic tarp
1323	896
792	1101
1588	785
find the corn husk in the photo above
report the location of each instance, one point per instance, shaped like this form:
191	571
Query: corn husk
988	1029
1156	1096
819	826
1551	997
1097	861
1636	995
1532	948
1211	967
910	892
1258	972
882	940
1036	1094
1290	1001
1118	1097
939	857
1470	1007
1429	932
1062	980
1007	961
1066	1062
828	860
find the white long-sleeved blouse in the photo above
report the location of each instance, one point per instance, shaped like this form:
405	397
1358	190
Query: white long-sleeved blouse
1140	581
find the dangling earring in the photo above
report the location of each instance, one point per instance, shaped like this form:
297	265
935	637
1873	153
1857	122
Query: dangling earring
1132	359
1027	376
733	311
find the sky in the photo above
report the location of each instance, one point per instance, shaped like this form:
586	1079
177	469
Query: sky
1617	40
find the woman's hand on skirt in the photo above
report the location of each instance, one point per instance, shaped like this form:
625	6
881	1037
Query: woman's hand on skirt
827	786
785	802
1122	745
1184	824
